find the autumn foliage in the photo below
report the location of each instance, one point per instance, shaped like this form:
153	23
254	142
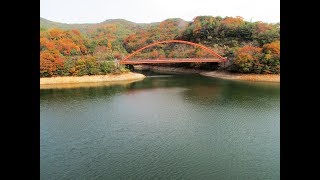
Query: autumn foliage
251	47
247	58
252	59
50	62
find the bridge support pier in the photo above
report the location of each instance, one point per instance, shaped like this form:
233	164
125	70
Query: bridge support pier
130	67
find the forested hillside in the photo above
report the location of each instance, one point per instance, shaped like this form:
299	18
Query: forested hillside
89	49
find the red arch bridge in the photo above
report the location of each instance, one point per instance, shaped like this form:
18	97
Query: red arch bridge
130	62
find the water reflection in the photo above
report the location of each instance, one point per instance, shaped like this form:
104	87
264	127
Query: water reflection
164	127
198	90
85	85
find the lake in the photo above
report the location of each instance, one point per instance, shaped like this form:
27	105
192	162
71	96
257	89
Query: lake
167	126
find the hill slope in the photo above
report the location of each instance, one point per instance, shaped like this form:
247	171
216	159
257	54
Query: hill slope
84	28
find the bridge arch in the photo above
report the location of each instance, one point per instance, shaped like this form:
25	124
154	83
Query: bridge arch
223	59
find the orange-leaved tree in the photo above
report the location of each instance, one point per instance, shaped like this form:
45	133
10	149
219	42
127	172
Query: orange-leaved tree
50	62
271	58
247	58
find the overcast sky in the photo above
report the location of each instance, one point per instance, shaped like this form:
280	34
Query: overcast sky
146	11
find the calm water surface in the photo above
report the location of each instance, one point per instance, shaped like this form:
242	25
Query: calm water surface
164	127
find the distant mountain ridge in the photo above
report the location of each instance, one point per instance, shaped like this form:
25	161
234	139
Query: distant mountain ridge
84	27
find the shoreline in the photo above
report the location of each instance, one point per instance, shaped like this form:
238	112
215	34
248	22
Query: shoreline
216	74
129	77
85	81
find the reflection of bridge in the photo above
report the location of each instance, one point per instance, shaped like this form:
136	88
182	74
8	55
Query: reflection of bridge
218	58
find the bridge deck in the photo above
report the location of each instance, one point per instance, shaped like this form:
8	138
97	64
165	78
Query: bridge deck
173	60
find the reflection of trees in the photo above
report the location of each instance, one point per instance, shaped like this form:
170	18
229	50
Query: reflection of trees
248	95
200	90
86	84
224	93
203	94
244	90
81	93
